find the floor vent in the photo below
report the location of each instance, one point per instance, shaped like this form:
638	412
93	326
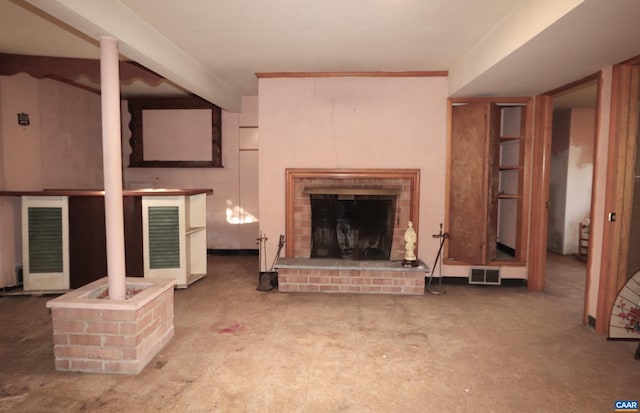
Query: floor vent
487	276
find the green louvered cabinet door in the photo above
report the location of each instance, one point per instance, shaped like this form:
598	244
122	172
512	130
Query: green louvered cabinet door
45	240
174	237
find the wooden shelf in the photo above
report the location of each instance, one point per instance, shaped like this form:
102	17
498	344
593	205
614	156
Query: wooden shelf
509	196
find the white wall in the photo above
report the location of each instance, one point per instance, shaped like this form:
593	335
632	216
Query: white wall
571	177
248	205
579	175
558	180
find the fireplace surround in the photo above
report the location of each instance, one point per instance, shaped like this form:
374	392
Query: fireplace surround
299	271
301	182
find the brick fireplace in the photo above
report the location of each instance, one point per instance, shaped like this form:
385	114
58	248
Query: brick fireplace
298	272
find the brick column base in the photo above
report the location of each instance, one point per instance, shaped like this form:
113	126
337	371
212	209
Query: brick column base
98	335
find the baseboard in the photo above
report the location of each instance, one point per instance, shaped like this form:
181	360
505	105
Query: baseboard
242	252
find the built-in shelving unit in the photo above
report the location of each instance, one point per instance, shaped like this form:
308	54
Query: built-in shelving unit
510	139
487	195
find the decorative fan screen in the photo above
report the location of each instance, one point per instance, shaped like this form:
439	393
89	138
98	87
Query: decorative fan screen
625	316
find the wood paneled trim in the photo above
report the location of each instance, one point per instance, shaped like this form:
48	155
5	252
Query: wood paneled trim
525	177
632	61
496	100
74	84
611	229
540	192
569	86
136	141
621	162
595	194
431	73
447	180
71	68
293	174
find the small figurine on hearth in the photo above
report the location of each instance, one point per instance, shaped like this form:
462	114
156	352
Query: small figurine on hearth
410	238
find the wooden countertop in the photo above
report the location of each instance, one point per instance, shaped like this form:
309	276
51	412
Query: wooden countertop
99	192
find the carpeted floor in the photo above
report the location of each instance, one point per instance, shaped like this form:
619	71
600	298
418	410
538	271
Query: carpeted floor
475	349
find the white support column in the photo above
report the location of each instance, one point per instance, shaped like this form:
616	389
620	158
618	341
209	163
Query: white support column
112	164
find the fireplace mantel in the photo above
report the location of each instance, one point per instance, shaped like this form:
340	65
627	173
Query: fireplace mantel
351	191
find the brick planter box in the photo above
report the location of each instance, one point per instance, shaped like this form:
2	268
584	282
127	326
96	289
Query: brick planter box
99	335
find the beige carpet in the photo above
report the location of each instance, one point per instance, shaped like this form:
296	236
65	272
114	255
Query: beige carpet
475	349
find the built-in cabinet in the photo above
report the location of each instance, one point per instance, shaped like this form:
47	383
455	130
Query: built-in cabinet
487	194
64	236
175	237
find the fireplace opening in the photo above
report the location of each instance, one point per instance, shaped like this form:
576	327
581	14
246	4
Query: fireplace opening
358	227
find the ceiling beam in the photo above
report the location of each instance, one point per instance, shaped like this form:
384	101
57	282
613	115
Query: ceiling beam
526	21
141	42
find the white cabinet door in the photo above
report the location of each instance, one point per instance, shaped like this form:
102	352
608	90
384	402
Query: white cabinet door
163	228
45	240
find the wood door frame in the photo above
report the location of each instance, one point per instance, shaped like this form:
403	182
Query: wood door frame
622	141
623	132
540	185
540	192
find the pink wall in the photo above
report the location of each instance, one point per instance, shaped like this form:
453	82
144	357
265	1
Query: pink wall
71	136
20	164
21	146
353	123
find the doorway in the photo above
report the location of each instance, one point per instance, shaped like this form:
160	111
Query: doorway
572	160
537	253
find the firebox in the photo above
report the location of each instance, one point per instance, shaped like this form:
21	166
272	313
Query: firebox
350	225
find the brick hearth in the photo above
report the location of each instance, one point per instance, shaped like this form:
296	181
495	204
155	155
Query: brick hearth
347	276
